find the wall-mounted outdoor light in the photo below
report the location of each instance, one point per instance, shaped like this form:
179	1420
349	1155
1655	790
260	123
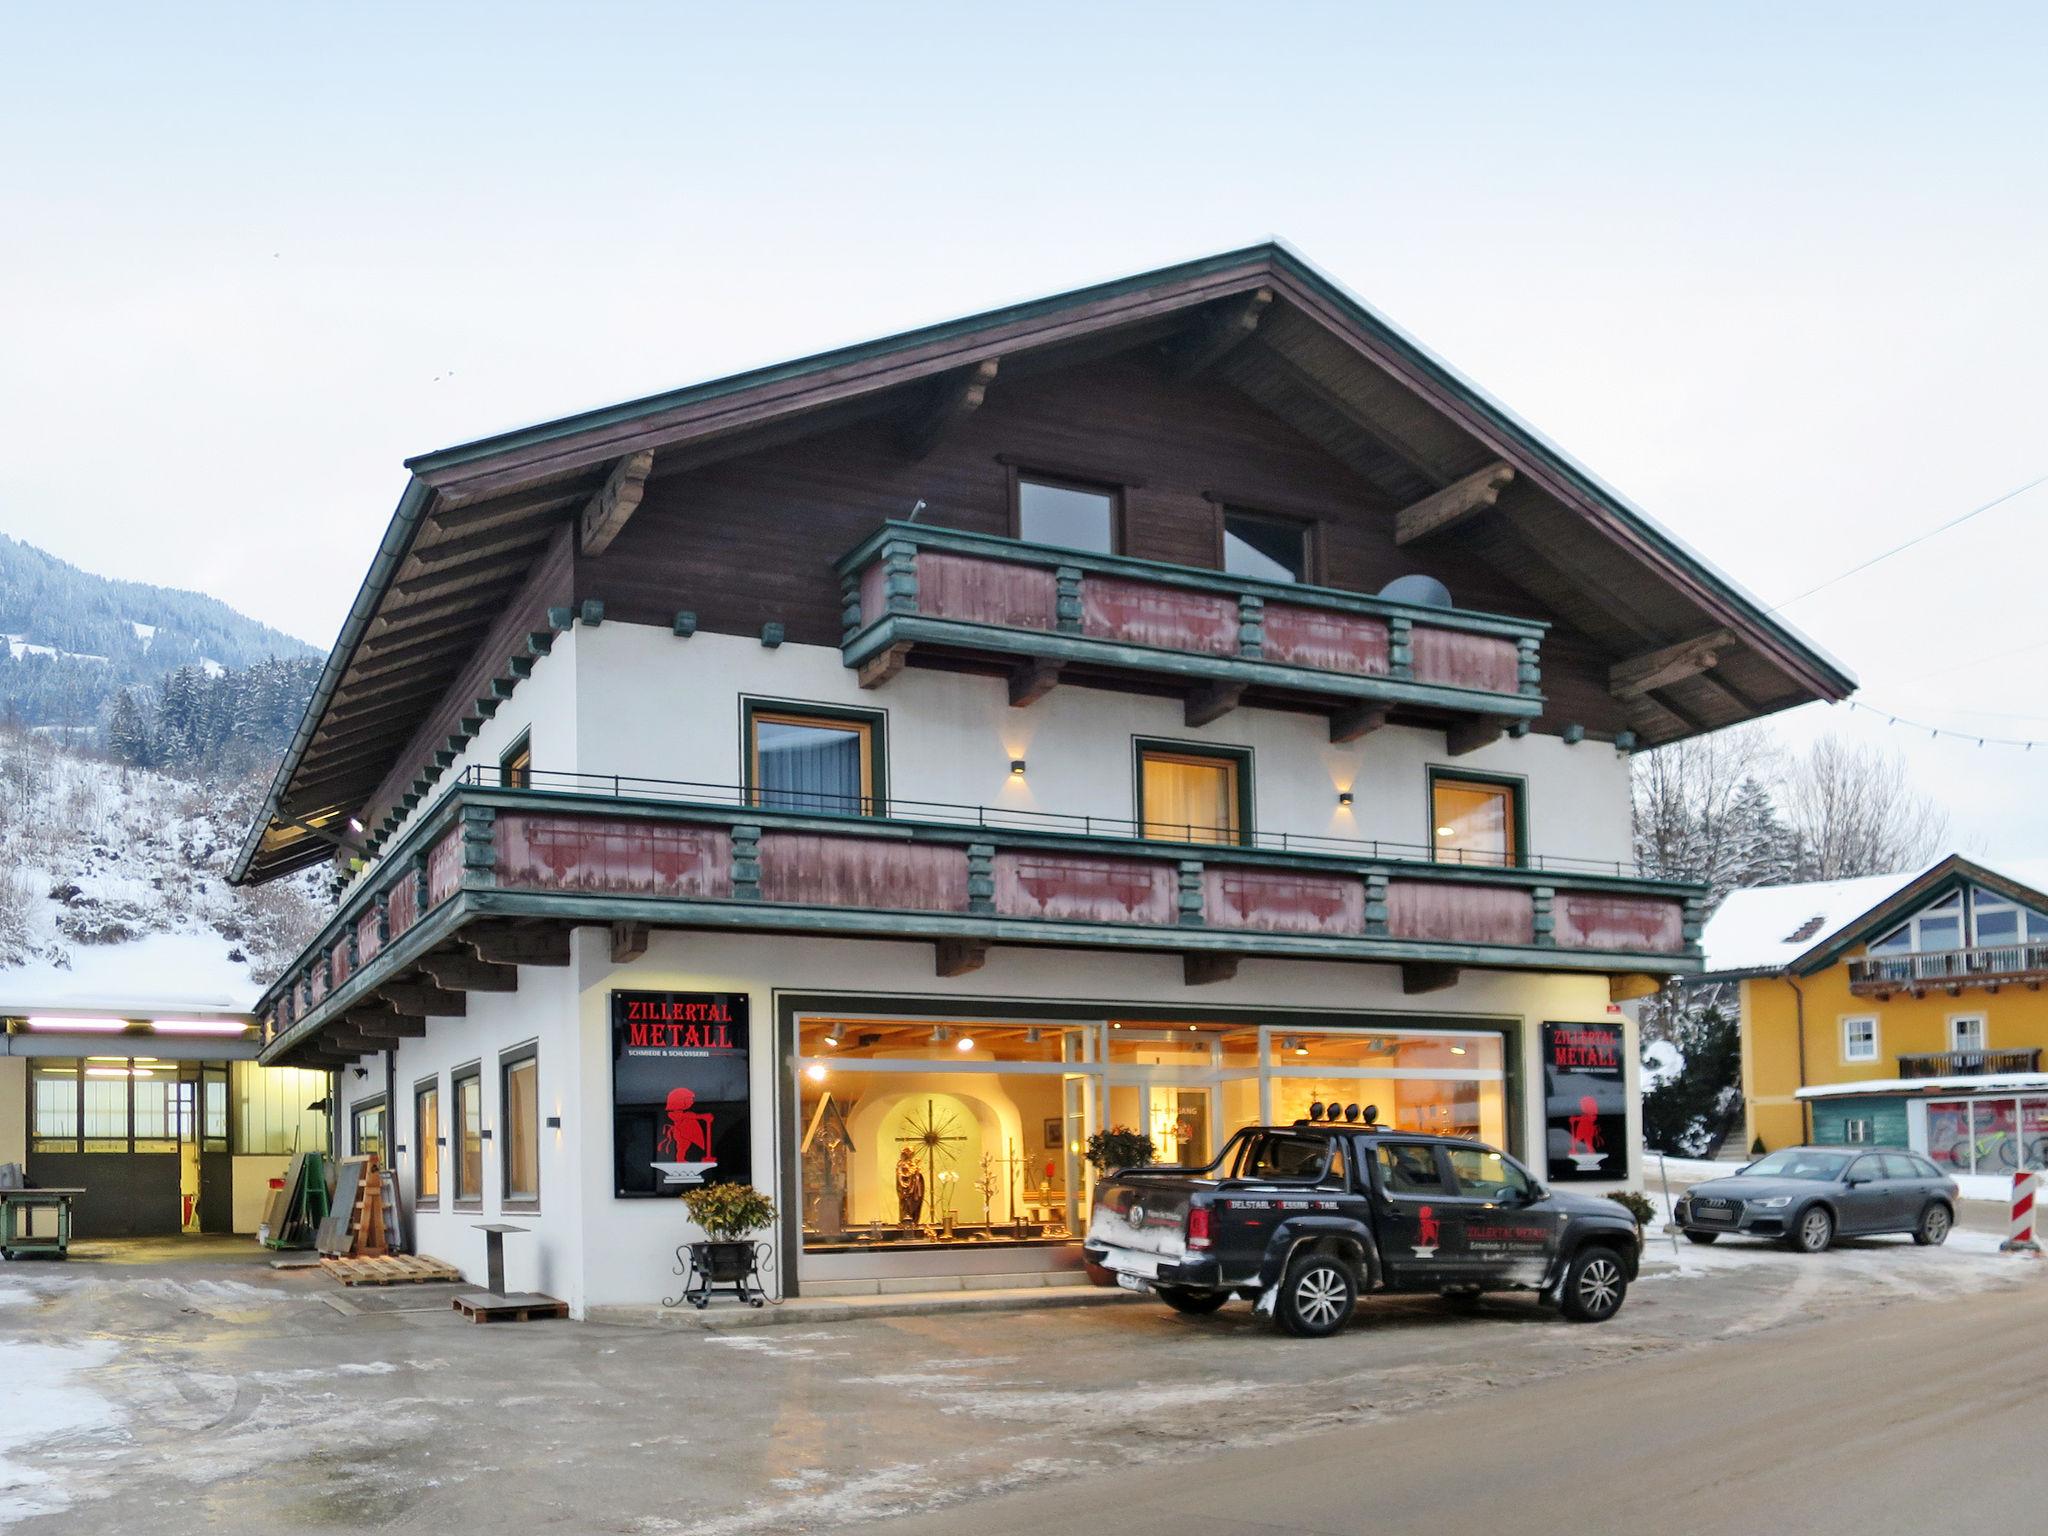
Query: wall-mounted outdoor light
1016	767
1343	797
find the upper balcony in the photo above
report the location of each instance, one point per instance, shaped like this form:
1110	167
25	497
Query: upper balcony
1986	967
1047	615
493	878
1969	1063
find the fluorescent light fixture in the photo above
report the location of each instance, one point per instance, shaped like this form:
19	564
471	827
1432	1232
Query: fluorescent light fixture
102	1026
199	1027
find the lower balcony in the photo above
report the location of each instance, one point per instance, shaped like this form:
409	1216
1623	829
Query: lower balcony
1987	968
494	878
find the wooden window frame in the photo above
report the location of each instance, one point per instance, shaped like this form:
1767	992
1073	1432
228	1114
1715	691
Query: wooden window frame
523	747
1239	758
459	1198
1981	1018
518	1056
1516	784
1070	480
872	723
1311	537
424	1149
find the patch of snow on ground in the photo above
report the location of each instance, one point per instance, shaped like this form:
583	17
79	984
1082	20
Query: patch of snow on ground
189	970
43	1377
143	632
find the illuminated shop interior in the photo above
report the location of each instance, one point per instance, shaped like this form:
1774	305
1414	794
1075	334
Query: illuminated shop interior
930	1133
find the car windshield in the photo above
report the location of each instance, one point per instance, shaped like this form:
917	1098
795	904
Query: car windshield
1797	1163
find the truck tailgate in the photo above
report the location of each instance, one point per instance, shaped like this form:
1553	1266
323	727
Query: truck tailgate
1143	1215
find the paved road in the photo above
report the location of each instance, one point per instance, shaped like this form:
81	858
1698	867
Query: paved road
1920	1417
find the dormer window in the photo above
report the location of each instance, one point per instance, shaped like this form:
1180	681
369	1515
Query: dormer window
1988	920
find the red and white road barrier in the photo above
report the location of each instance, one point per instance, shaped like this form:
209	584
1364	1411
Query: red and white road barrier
2026	1189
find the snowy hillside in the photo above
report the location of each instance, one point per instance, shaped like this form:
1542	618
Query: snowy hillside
112	883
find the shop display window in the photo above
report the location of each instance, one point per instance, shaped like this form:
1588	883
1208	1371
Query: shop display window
918	1133
1452	1085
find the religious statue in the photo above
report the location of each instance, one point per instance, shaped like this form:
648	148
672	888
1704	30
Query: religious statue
909	1188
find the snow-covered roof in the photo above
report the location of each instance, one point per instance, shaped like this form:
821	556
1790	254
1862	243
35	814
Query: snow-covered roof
1990	1082
1767	927
167	974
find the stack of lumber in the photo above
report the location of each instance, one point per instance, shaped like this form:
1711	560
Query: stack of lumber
391	1269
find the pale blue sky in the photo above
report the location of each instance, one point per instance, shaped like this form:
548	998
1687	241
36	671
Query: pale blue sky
1774	273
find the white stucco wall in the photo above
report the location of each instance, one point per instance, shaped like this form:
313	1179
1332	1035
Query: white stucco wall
649	703
597	1250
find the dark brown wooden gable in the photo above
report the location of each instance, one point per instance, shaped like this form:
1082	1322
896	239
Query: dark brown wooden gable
751	540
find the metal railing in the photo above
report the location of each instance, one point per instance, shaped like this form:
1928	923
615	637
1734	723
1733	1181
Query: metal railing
1984	962
689	792
1968	1063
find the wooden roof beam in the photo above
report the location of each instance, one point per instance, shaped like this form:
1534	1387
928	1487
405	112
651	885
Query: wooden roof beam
528	531
1453	504
605	515
1669	664
950	398
1221	331
480	571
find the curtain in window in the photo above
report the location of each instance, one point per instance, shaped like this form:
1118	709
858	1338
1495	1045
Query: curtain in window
522	1131
809	767
1190	799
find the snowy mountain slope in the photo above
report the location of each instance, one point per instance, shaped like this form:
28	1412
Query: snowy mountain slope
112	880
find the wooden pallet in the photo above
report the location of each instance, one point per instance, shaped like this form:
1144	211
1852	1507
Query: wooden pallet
390	1269
525	1307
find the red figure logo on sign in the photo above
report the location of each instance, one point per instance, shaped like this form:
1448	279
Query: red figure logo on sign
1427	1218
1585	1129
687	1131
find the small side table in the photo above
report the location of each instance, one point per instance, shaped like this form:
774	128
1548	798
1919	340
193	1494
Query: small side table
493	1304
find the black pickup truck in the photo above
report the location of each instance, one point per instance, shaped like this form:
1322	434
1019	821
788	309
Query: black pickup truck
1300	1219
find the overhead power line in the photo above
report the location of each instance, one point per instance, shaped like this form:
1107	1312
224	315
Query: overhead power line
1897	549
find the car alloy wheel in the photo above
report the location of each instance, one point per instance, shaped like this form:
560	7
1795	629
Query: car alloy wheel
1816	1230
1934	1226
1320	1295
1600	1286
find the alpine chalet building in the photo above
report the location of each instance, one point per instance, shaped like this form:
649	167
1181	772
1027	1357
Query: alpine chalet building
1169	705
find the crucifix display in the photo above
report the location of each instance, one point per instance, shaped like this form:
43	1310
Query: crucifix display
933	1138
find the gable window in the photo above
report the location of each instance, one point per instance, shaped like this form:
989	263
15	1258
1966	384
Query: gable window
1193	794
1474	819
803	758
468	1084
426	1136
1966	1032
1066	513
1859	1039
1994	920
1267	548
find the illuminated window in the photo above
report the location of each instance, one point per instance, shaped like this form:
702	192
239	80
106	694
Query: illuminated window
56	1113
426	1135
827	761
1475	820
469	1134
521	1120
515	768
366	1129
1193	796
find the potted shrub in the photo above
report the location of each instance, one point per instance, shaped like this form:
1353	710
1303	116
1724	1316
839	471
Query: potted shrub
1118	1147
729	1215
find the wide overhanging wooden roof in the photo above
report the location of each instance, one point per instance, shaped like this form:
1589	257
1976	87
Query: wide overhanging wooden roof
1700	653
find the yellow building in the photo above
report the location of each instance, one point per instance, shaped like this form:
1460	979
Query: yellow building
1900	1010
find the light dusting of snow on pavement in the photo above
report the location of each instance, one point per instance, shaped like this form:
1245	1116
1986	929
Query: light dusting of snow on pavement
48	1407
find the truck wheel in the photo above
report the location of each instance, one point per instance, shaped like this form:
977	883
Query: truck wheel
1317	1295
1594	1285
1193	1302
1700	1237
